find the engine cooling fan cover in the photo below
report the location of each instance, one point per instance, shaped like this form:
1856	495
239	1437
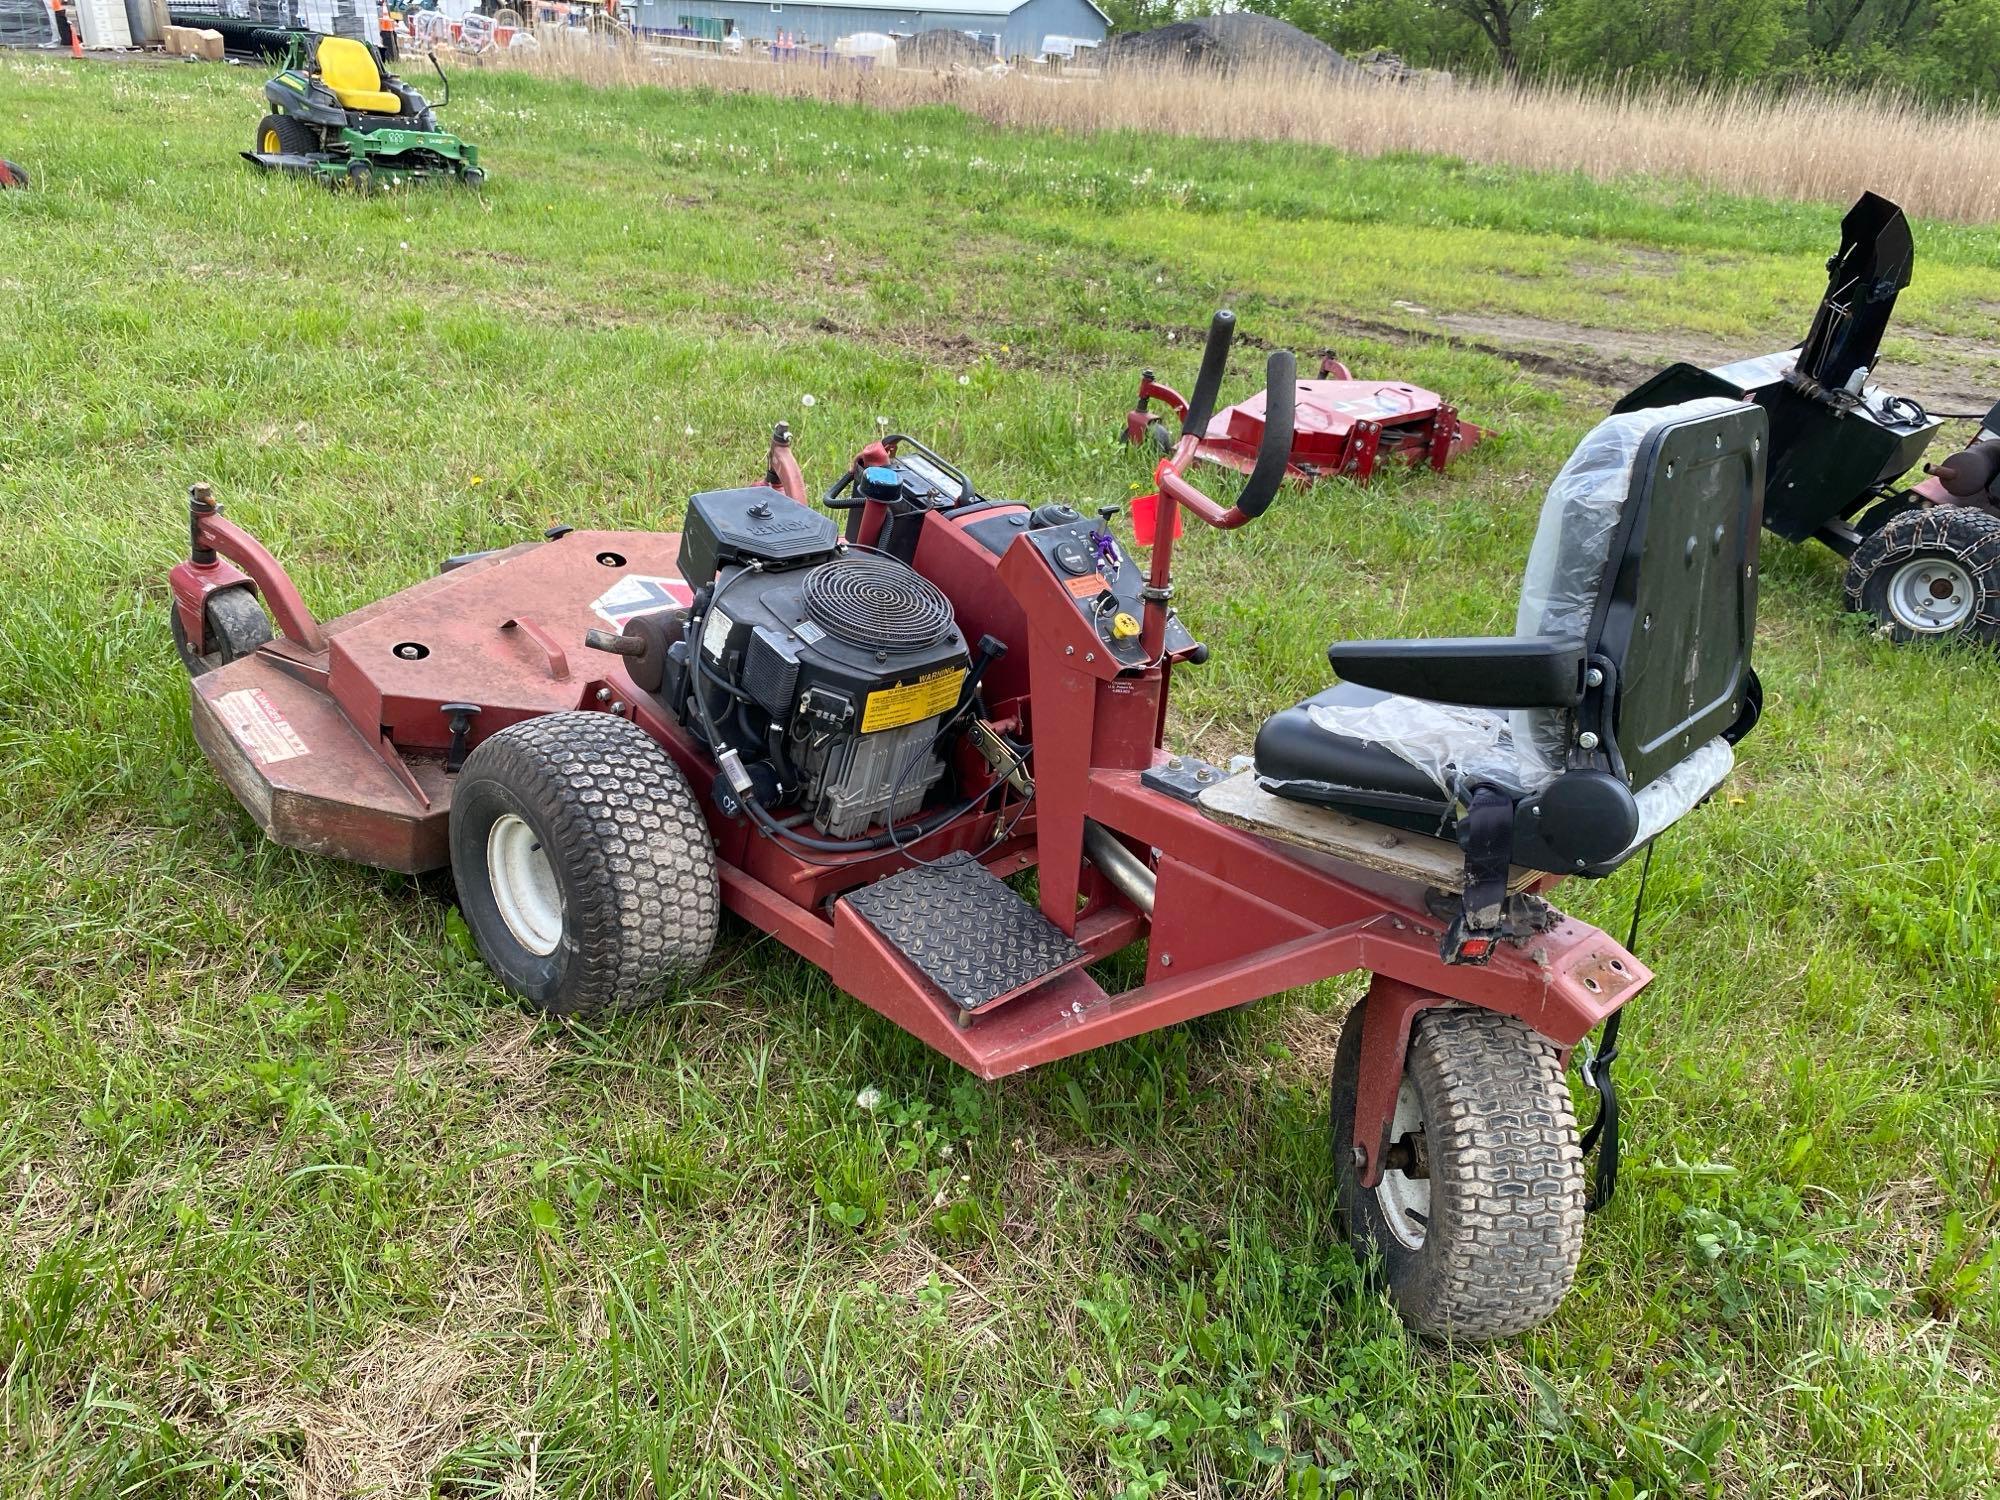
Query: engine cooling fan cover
877	602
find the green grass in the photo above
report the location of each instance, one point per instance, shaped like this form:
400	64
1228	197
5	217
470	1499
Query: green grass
294	1198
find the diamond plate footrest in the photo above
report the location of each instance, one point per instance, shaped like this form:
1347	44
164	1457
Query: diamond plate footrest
966	930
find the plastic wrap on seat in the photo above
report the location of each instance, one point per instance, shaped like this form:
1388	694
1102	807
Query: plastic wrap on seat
1450	744
1670	795
1572	547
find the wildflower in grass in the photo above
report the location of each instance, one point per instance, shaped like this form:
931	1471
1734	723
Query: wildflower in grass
478	479
869	1099
808	400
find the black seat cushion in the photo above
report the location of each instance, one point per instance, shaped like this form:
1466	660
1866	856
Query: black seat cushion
1299	760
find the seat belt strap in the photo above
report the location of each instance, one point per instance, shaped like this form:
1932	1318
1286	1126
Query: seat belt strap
1486	834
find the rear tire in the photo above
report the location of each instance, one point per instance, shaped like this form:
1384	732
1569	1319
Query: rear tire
1931	574
1486	1246
583	862
236	626
282	135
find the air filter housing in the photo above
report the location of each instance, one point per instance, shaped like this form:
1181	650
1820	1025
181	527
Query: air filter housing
758	524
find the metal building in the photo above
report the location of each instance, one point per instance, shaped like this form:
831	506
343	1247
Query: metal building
1015	28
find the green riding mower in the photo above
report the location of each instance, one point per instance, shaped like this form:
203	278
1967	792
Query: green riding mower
338	117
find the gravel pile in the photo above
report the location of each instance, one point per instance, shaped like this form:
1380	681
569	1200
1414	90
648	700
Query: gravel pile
1224	43
942	48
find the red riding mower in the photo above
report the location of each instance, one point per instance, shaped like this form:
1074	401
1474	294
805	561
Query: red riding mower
851	737
1340	425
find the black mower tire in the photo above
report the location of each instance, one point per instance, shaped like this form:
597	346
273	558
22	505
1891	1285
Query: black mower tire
1930	574
1161	437
1505	1222
625	843
236	627
294	138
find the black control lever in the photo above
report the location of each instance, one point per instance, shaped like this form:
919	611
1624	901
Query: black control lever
1274	454
1214	364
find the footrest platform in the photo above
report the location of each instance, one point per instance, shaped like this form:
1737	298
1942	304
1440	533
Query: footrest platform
966	930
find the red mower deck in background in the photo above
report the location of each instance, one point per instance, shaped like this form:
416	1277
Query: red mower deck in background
1341	426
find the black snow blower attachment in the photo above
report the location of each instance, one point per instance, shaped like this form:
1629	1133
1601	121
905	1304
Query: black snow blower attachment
1925	561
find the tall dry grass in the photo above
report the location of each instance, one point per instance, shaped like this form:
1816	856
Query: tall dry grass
1933	160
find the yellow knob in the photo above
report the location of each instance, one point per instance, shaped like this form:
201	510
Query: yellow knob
1123	626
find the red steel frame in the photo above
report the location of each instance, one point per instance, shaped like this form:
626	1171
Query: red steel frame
1344	426
1234	916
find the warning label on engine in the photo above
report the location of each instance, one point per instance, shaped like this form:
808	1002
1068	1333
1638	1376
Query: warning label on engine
258	726
891	708
638	594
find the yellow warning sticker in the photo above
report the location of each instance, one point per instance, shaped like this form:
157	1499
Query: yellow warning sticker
927	697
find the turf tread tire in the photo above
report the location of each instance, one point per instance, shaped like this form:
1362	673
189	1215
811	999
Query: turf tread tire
294	137
1507	1181
1968	537
631	850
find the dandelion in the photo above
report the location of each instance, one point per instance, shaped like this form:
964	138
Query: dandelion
478	479
687	432
881	421
808	400
869	1099
965	380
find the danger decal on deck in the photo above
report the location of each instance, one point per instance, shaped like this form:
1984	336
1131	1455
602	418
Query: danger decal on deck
258	726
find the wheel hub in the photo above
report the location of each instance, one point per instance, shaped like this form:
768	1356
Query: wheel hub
524	885
1405	1201
1931	595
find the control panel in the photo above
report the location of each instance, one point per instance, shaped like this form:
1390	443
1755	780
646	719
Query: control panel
1104	582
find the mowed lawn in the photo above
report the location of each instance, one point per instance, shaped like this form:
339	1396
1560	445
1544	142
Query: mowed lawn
296	1201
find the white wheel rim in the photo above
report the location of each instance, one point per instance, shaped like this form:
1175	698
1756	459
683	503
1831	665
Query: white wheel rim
524	885
1405	1201
1931	595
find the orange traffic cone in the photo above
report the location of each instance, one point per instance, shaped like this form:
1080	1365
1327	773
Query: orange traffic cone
68	28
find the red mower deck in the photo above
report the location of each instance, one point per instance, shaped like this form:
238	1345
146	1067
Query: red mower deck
1342	426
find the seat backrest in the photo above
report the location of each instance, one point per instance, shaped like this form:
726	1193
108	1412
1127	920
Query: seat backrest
347	67
1647	550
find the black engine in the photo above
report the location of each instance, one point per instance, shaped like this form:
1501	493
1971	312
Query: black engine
826	674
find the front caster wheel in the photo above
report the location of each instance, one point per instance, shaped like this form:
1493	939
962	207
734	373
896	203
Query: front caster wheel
583	862
1930	574
1477	1234
236	626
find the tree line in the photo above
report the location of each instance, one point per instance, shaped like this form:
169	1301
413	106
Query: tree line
1940	48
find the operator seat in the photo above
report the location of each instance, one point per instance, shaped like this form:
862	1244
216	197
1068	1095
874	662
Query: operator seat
348	68
1572	744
